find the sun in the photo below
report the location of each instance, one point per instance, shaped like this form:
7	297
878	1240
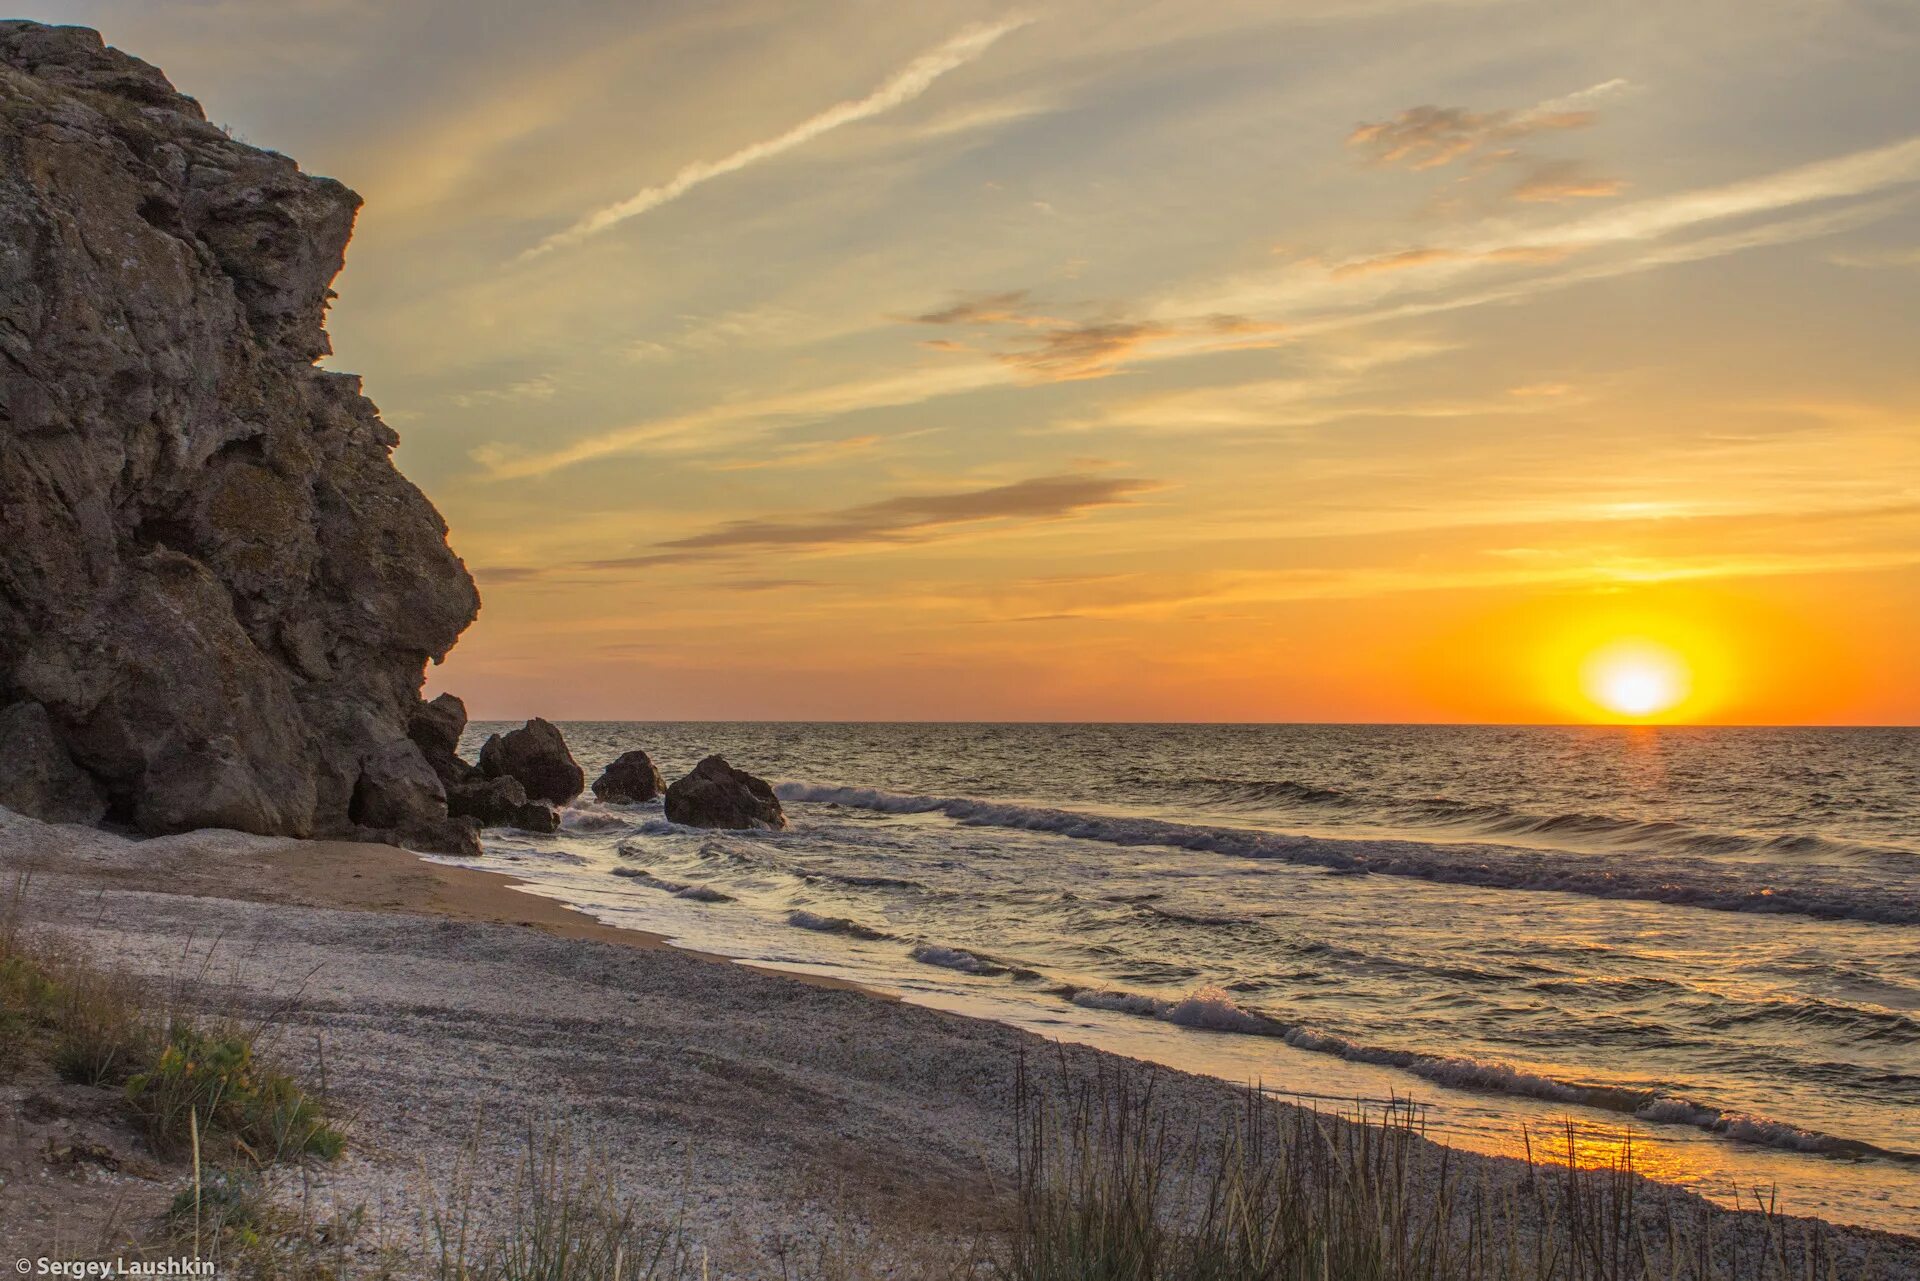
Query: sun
1636	679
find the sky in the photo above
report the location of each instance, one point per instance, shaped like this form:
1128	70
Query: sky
1369	360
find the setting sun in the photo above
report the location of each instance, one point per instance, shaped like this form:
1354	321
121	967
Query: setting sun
1636	679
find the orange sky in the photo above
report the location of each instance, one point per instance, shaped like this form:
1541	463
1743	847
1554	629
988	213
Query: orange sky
1138	361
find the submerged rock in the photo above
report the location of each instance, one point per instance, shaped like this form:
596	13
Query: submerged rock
536	754
630	779
37	777
716	794
212	579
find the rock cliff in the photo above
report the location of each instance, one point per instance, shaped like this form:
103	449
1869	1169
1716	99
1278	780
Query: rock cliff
213	582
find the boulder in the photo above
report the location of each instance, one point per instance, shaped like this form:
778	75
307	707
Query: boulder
37	776
536	754
501	802
435	729
629	779
212	578
398	789
716	794
443	835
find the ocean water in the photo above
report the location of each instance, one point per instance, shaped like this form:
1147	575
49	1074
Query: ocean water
1707	938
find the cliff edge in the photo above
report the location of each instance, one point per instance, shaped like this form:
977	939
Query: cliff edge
217	594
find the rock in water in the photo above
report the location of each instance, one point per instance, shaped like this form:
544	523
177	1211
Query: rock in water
718	795
500	802
537	755
631	778
212	579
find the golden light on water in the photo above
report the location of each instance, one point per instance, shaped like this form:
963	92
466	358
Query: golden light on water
1636	679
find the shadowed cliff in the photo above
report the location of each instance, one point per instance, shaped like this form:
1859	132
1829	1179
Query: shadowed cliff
217	595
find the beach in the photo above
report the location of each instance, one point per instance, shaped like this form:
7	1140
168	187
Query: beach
451	1015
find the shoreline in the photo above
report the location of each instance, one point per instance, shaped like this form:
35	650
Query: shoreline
775	1100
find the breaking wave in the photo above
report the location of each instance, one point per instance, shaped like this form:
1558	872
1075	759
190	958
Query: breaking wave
1681	881
805	920
1214	1010
1488	819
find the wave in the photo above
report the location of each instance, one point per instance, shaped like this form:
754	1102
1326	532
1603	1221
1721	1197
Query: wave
1681	881
1214	1010
1492	819
694	892
805	920
953	958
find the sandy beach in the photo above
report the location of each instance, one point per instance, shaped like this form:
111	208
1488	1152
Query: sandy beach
450	1015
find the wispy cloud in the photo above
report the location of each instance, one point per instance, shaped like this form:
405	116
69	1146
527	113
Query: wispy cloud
1427	137
1557	181
893	521
903	87
1068	352
736	422
1048	348
1008	307
539	387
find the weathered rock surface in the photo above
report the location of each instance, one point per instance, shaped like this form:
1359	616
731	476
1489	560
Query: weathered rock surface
536	754
629	779
716	794
212	578
37	777
500	802
435	729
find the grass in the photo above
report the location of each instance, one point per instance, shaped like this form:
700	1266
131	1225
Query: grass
567	1221
190	1081
1107	1189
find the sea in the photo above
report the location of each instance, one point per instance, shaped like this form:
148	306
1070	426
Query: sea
1704	942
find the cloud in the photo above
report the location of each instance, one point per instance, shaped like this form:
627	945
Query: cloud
507	573
903	87
1433	255
893	521
542	387
1870	261
1070	352
762	584
808	454
1307	298
1428	137
735	422
1062	350
1555	181
1007	308
1400	261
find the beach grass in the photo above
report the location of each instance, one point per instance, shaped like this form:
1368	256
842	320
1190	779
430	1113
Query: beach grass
1107	1189
567	1221
191	1079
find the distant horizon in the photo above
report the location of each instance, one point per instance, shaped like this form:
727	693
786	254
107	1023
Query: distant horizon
816	720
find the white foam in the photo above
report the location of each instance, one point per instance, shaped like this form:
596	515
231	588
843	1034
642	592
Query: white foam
1681	881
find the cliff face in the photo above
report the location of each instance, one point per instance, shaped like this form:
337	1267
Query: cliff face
212	578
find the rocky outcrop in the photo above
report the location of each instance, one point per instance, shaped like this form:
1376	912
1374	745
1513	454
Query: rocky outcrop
630	779
500	802
536	754
37	777
716	794
213	581
435	729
